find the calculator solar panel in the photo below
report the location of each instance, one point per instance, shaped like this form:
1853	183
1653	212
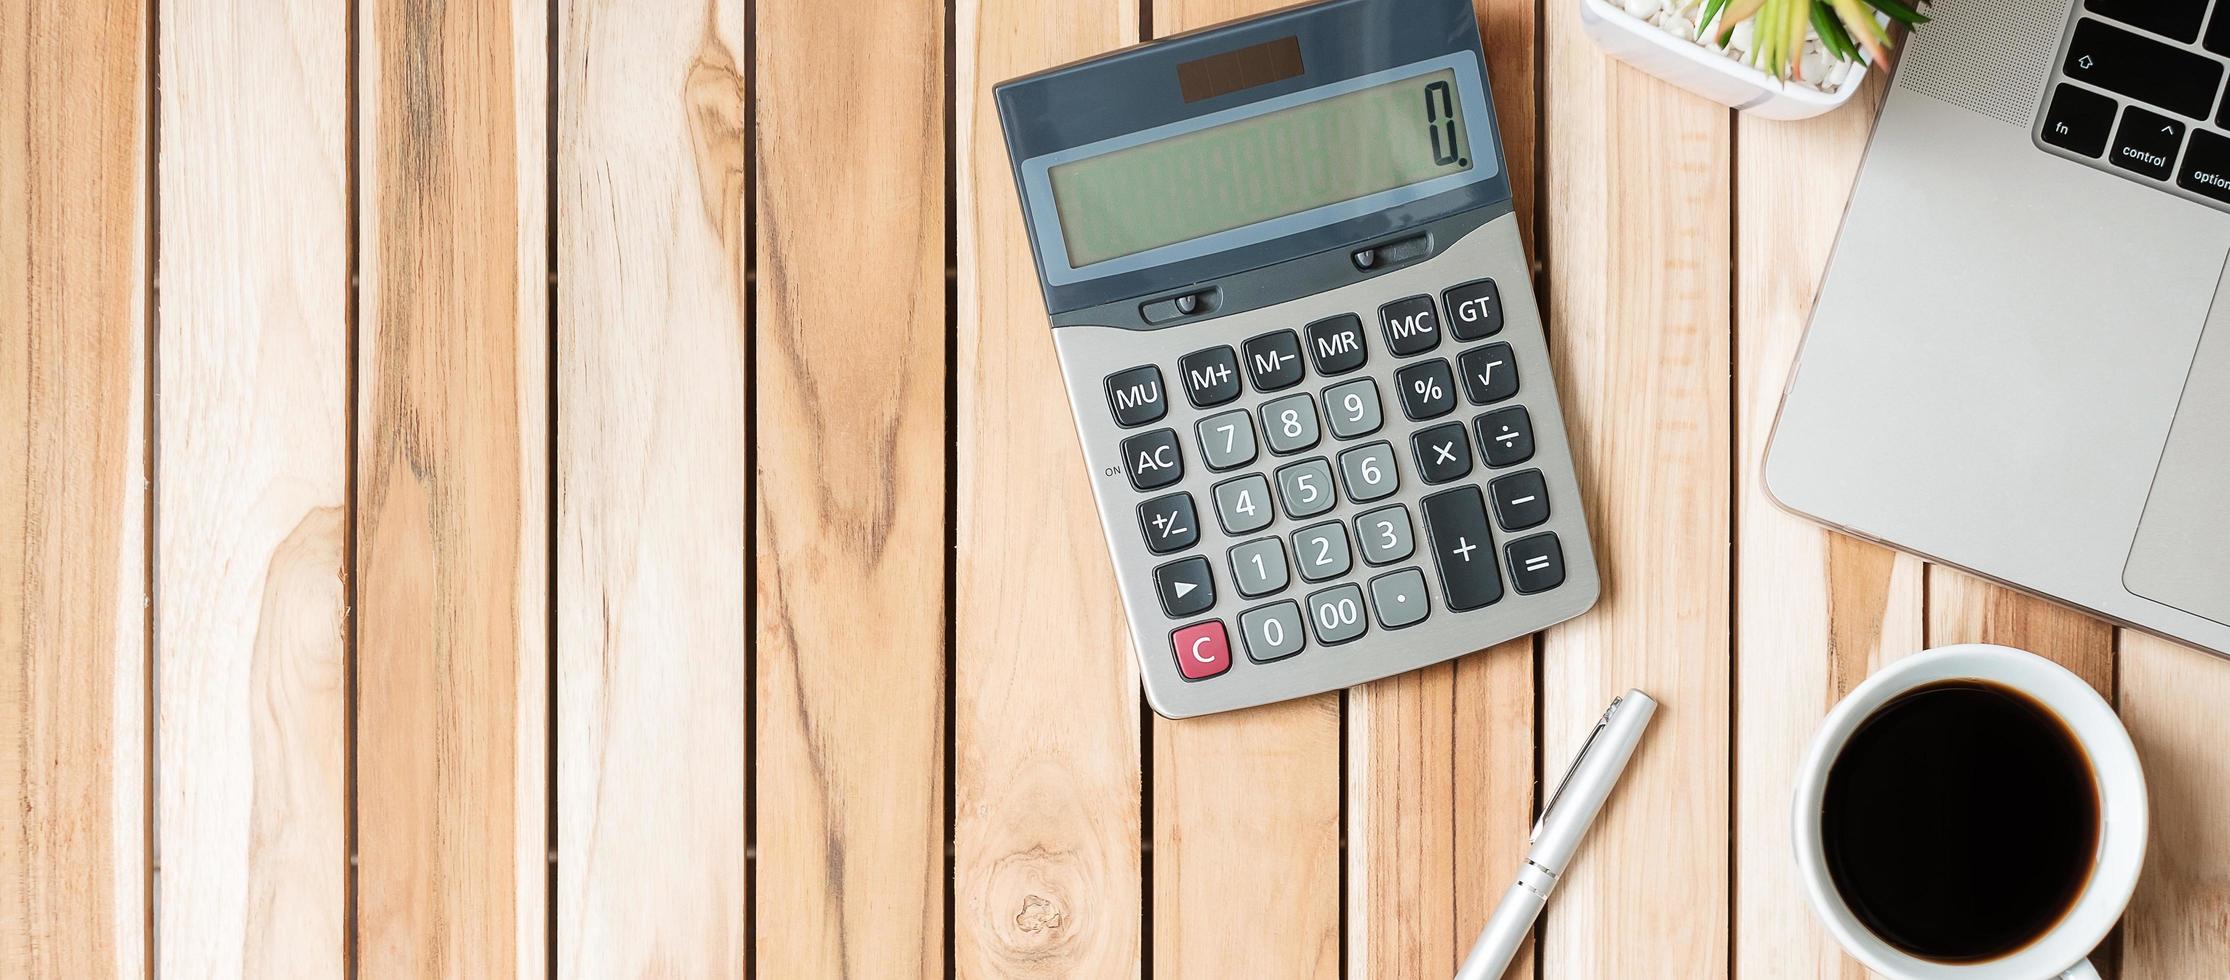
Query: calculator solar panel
1301	343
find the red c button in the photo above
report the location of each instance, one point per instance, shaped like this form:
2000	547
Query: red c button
1202	650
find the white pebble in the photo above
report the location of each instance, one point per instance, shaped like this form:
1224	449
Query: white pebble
1813	65
1643	9
1681	27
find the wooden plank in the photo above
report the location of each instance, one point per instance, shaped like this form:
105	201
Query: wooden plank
73	497
1963	608
1494	789
1440	761
1245	803
1817	611
452	571
850	482
2171	698
1636	218
653	529
1401	804
1046	778
251	721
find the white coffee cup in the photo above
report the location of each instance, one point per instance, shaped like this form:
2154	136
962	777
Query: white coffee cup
2060	951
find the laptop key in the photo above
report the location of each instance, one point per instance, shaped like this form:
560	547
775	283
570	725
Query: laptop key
2080	120
2206	166
2143	69
2218	36
2178	19
2147	143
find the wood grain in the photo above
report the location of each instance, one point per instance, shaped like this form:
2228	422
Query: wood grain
73	496
1440	762
2171	698
1401	805
850	433
253	175
1246	806
653	471
1816	611
1636	220
1046	778
452	478
1965	609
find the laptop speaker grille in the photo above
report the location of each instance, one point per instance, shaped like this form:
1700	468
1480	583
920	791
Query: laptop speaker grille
1989	56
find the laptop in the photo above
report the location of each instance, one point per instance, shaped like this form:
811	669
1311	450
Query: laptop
2019	362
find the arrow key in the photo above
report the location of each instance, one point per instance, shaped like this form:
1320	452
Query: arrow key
1185	587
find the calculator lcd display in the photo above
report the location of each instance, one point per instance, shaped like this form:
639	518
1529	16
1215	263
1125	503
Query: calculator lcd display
1262	167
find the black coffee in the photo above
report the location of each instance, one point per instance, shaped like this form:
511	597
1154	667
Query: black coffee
1961	821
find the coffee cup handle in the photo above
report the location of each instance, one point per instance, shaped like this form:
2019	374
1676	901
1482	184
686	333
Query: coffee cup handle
2082	970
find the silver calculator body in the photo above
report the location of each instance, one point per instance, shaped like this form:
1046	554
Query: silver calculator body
1297	328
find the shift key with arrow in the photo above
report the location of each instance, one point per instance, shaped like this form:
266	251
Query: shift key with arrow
2142	69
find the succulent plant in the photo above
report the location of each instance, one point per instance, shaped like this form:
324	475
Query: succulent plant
1847	29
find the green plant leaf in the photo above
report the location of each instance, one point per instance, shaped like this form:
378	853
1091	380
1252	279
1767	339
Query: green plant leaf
1831	33
1900	12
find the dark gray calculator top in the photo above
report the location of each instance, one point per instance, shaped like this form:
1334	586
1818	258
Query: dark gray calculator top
1391	96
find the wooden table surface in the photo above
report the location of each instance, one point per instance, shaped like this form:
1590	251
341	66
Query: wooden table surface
583	488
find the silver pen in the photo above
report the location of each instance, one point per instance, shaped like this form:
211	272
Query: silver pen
1567	815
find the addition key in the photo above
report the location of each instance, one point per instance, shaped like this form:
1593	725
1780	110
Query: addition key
1456	524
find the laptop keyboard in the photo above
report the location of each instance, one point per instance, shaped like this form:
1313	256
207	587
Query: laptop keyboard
2138	91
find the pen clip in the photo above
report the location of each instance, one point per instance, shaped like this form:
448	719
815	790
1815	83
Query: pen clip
1577	758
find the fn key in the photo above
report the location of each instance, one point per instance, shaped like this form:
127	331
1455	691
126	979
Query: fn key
2080	120
1456	520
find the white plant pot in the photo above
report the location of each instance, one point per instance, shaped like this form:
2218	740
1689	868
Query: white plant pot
1705	71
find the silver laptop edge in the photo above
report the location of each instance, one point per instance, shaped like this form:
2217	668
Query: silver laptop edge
2011	365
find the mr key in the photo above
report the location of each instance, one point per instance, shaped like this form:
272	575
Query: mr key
1299	338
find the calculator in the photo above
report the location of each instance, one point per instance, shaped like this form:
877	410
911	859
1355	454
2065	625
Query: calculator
1299	337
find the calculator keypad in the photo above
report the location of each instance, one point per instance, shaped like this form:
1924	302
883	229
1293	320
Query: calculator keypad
1185	586
1306	488
1456	523
1153	459
1211	376
1336	614
1506	436
1272	632
1274	360
1443	452
1412	326
1321	551
1227	440
1474	310
1337	344
1243	505
1258	567
1384	535
1428	391
1290	424
1371	468
1352	408
1169	523
1490	374
1135	396
1398	598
